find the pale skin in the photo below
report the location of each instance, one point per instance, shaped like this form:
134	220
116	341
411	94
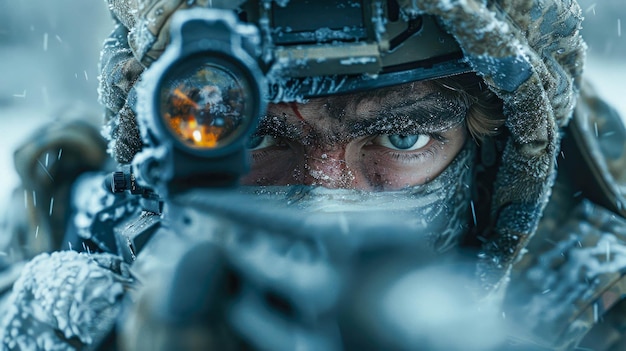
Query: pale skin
387	139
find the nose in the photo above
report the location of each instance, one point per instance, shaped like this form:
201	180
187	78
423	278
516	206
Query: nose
329	167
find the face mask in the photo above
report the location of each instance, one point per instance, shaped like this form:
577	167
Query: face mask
437	211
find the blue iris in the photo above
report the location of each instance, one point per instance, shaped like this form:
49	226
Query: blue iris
403	142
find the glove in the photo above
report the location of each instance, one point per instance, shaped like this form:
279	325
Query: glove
64	301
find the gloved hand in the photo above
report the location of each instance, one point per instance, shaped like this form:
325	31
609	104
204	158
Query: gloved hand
64	301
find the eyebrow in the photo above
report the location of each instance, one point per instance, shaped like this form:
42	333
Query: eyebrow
431	113
399	114
277	126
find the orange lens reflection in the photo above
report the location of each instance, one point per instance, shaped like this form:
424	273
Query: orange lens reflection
199	135
204	109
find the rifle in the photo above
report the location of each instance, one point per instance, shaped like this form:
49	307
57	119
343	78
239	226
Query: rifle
225	267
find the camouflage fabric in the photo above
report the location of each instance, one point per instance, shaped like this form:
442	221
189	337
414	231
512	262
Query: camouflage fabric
147	38
565	292
530	53
120	71
599	130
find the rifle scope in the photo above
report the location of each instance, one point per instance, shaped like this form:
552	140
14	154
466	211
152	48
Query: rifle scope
202	100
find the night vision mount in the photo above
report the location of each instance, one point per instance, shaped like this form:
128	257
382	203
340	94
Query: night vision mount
326	47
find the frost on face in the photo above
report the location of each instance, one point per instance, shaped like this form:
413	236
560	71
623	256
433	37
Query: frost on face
436	211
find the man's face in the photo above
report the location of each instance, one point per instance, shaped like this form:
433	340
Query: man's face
383	139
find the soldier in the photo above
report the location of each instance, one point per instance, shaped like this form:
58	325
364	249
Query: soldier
398	139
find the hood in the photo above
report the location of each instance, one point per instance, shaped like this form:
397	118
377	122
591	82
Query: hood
529	53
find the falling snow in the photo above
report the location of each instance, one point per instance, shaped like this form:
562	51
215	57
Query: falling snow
45	169
21	95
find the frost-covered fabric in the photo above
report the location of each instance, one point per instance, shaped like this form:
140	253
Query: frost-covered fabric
571	285
64	301
530	53
147	18
120	72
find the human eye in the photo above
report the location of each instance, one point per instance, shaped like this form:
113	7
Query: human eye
407	147
272	159
403	142
405	158
259	142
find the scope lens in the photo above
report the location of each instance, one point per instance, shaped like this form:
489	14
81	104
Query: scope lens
204	105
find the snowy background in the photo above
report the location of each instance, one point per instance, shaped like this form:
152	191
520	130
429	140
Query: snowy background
49	52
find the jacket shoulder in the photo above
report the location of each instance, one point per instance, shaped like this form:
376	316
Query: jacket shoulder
568	291
596	139
47	163
568	288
